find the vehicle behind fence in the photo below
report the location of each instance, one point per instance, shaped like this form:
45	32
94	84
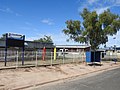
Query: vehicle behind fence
35	58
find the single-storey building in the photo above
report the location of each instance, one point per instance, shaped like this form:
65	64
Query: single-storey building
72	48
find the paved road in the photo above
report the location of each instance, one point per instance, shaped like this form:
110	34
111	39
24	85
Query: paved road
109	80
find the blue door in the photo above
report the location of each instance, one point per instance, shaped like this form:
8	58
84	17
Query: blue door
88	56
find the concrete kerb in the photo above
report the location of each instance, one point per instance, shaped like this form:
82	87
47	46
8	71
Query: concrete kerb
25	66
84	74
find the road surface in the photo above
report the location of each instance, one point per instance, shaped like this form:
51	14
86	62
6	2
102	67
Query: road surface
109	80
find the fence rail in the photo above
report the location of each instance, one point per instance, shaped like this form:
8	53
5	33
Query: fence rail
35	58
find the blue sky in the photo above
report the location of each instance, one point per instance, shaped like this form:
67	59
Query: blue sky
36	18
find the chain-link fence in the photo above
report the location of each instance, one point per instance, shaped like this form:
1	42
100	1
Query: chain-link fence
35	58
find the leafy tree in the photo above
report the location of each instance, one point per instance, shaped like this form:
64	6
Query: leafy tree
45	39
94	28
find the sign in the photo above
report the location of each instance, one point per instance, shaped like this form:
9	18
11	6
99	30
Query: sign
14	40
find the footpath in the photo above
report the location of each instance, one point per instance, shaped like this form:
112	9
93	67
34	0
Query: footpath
24	78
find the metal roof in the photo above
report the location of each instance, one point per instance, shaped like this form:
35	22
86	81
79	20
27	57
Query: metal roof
72	46
31	44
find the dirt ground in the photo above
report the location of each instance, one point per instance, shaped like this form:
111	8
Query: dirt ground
21	78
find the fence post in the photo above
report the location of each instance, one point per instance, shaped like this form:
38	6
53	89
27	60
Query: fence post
63	57
101	56
36	59
51	59
17	60
73	57
83	56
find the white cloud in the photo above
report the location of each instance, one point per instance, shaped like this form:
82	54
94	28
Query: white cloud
118	1
101	10
98	5
17	14
92	1
31	38
25	28
58	39
47	21
112	3
112	42
87	4
8	10
115	1
28	23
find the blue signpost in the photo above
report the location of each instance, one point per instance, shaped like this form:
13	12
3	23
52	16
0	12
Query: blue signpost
14	40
